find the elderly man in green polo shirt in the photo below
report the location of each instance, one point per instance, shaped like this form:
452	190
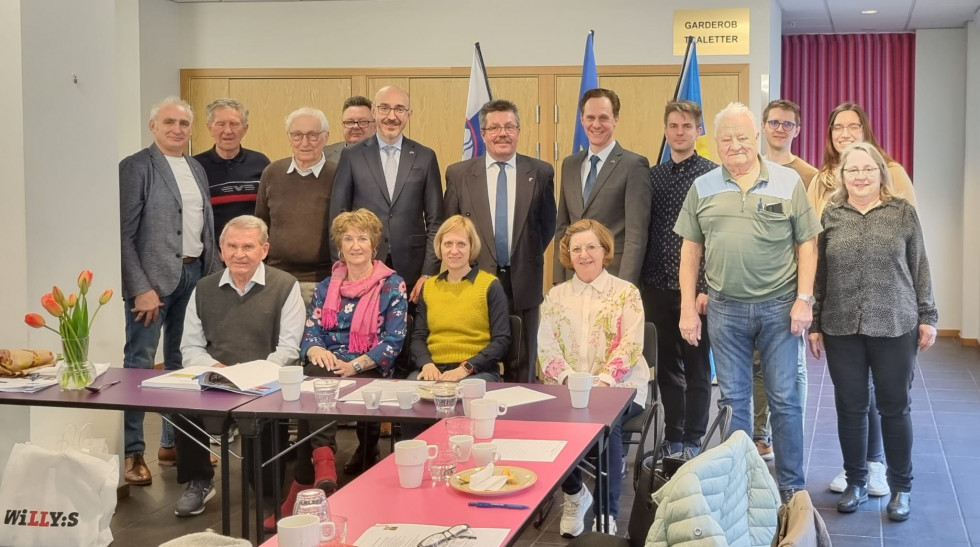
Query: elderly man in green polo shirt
751	220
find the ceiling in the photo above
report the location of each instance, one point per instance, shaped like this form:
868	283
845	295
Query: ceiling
844	16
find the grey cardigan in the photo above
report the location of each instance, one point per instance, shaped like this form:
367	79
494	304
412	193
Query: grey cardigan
872	272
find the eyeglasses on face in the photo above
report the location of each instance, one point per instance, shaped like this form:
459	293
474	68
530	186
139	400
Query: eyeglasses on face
854	172
510	129
447	535
384	109
775	124
591	249
296	136
851	128
349	124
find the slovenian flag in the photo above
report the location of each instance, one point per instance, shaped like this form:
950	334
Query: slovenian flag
590	80
478	96
688	88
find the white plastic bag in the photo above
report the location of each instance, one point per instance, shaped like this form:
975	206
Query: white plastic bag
54	498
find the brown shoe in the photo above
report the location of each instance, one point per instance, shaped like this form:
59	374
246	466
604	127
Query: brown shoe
214	460
167	455
386	429
137	473
765	450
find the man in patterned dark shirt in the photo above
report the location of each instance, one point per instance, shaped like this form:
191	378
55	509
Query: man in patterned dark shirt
683	370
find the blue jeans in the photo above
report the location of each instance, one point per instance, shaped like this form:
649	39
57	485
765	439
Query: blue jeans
141	348
735	329
760	403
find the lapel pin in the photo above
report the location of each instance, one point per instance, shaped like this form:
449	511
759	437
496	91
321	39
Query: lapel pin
530	179
411	152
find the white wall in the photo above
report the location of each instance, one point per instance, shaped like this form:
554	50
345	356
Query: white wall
437	33
970	249
940	91
14	421
159	57
70	182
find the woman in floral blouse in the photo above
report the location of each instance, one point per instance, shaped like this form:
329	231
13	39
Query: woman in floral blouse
355	327
593	323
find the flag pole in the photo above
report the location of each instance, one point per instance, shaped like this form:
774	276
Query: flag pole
677	88
479	55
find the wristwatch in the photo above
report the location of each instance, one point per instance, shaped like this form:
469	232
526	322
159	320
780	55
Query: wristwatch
357	367
469	368
808	298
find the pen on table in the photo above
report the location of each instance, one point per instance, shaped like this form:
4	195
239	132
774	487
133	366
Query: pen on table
486	504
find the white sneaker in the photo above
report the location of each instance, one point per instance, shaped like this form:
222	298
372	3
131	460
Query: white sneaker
877	483
839	483
216	441
573	513
612	525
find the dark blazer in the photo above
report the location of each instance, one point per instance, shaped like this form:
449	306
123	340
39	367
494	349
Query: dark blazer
332	152
410	219
620	200
533	224
150	222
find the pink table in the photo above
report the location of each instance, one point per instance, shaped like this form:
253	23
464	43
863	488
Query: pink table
375	497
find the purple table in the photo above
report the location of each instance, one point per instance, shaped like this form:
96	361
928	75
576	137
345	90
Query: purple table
605	406
213	405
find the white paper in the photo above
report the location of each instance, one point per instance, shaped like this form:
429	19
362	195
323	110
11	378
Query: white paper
484	480
400	535
307	386
50	372
185	379
524	450
388	388
24	384
517	395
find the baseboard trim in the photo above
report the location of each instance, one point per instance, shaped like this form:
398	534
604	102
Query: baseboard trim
948	333
970	342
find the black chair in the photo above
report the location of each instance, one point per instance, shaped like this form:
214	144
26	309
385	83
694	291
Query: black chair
514	365
721	425
638	423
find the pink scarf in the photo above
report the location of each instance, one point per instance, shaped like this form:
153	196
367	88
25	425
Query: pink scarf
364	325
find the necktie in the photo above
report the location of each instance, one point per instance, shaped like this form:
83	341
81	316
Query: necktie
590	180
391	169
500	217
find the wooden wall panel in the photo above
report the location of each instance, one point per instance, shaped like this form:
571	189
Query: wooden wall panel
203	91
438	105
270	100
522	91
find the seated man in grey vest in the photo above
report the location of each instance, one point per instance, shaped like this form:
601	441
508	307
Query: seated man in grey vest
247	311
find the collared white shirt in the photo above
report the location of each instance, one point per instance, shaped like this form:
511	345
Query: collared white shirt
587	164
291	323
312	170
191	205
492	172
398	149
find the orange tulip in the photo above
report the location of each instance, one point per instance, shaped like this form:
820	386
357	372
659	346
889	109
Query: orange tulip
59	296
34	319
84	281
106	296
49	303
72	300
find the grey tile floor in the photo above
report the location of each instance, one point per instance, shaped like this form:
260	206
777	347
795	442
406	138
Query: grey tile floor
946	457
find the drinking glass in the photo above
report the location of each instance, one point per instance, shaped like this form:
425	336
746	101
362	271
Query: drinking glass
312	501
443	466
444	395
326	392
339	531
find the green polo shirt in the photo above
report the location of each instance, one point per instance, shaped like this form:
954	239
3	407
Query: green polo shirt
749	239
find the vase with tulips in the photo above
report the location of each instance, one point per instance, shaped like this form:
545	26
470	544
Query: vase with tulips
74	371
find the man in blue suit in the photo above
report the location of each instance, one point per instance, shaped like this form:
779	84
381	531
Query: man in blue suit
167	238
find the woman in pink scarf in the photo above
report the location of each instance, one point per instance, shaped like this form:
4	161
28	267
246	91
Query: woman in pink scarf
355	327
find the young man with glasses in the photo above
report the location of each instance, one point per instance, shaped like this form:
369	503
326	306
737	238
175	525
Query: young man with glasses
780	125
294	199
358	121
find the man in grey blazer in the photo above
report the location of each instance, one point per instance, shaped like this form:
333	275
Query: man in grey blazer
398	180
606	183
515	234
358	122
167	237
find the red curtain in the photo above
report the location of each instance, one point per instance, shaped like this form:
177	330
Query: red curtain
876	71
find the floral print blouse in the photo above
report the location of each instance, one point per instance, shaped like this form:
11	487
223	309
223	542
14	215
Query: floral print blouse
596	328
391	325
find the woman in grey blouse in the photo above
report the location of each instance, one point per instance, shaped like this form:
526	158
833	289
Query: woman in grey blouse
874	310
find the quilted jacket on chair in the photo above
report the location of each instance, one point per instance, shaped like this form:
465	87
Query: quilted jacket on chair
724	497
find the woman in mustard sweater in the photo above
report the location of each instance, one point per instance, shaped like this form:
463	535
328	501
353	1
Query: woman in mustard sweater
462	327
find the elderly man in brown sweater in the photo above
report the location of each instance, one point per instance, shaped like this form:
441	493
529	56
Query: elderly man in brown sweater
294	200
